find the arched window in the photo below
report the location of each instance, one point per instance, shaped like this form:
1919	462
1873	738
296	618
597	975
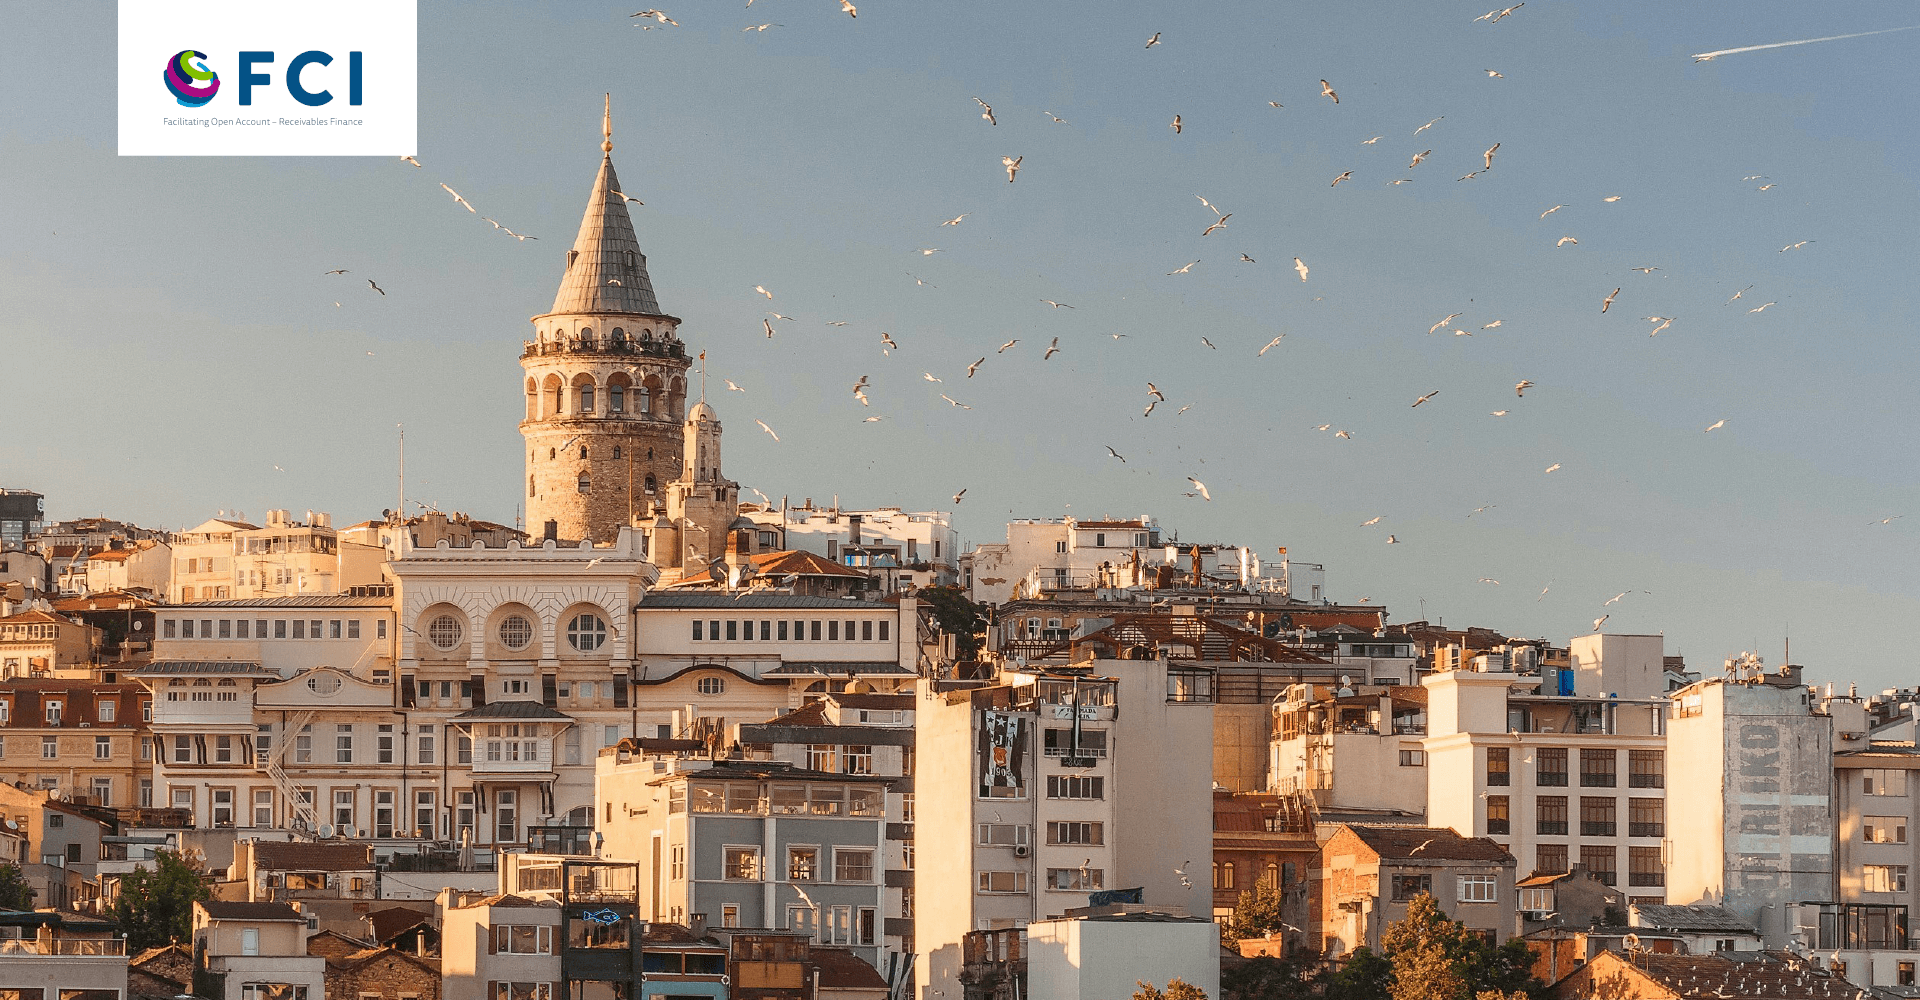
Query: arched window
586	484
586	338
551	453
646	336
586	399
646	401
583	451
617	398
530	486
586	632
631	258
616	453
711	685
619	337
649	485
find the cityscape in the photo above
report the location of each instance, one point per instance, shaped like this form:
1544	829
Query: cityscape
631	716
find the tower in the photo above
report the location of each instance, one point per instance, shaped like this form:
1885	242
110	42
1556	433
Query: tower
605	380
693	528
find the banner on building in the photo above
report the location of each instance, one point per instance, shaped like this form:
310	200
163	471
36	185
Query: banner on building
1003	751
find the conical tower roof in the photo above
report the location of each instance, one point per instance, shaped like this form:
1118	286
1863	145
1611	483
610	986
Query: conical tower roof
603	253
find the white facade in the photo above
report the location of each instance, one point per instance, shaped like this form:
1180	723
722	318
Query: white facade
1101	958
906	549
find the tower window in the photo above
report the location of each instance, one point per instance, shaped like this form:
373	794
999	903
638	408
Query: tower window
550	454
619	337
646	401
617	398
583	451
586	399
586	484
630	259
616	453
650	485
530	486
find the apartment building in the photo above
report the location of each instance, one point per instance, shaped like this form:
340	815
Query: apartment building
22	516
1369	874
44	957
254	951
84	740
500	947
903	550
600	936
203	561
145	565
1556	779
748	843
1353	748
35	642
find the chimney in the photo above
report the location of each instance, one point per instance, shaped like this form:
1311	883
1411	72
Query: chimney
697	923
853	529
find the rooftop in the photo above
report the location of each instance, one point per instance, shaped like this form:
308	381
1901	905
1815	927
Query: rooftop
682	599
283	856
1411	843
521	710
301	601
220	909
1699	917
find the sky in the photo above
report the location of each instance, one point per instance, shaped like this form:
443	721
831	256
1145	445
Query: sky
173	347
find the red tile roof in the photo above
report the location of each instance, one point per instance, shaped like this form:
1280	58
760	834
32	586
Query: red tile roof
841	969
795	562
1406	843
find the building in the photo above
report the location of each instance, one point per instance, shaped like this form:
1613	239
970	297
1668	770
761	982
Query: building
499	947
1263	840
24	575
1752	813
124	620
84	740
1353	747
145	565
1557	779
751	844
1368	875
809	575
1571	899
1101	953
63	841
1686	977
22	515
905	550
382	973
600	934
427	530
48	961
203	561
605	384
1060	554
37	643
254	951
331	882
1702	929
680	963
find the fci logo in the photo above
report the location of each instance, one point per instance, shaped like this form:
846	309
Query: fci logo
193	84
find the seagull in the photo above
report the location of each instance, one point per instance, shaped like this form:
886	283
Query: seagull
1148	412
731	387
920	281
955	402
1765	187
1520	388
1207	342
1423	846
1610	199
769	430
1426	397
769	325
1497	76
1614	599
1323	427
1450	318
1493	325
1794	246
1427	126
375	287
836	322
1552	210
887	339
1497	413
848	6
1175	125
613	281
1342	177
1248	259
1300	266
1554	467
1326	90
956	219
780	316
1493	16
1489	154
862	397
1886	520
1369	142
1761	308
411	160
1664	321
1182	270
1155	40
457	198
1462	333
1543	591
1403	180
1393	539
338	271
975	366
1115	454
1469	175
929	251
1644	270
1343	434
658	15
1012	163
628	199
1608	302
1052	349
762	290
986	111
1010	343
760	27
1488	579
1739	293
1597	622
871	420
1417	157
857	386
1202	487
1716	425
1183	409
1056	305
1220	223
1370	523
1564	240
929	376
1275	104
522	237
1271	344
1153	391
963	492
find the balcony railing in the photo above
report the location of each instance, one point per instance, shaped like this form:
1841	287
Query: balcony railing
66	947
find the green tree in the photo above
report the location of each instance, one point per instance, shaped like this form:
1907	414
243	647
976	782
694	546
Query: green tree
1364	976
1437	958
1265	977
1177	989
956	616
1255	914
15	893
155	906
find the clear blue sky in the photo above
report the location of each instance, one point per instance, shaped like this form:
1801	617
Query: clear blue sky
169	337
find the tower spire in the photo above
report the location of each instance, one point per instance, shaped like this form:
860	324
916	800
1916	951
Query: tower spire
606	127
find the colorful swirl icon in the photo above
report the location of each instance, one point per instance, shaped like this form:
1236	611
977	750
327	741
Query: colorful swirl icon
184	79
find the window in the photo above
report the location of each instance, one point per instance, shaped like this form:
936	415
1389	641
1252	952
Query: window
522	939
803	864
1413	758
49	747
103	792
1406	887
1648	818
586	632
1883	829
1498	823
1003	881
1552	767
741	864
506	816
427	749
249	940
1076	879
54	709
1602	863
1550	818
343	808
515	632
444	631
1073	786
463	825
711	685
698	630
1903	974
1875	781
223	750
105	710
1536	900
263	807
1497	766
383	812
1883	878
343	744
1644	867
1059	743
852	864
857	759
584	484
1476	889
183	749
823	757
1597	817
303	746
1076	833
1597	768
1002	835
883	630
677	863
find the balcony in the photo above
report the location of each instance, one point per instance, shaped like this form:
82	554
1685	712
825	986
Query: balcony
65	947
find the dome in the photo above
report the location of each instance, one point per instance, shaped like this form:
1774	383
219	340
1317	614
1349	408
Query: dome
701	411
742	523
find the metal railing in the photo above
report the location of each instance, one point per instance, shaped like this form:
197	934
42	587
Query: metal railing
68	947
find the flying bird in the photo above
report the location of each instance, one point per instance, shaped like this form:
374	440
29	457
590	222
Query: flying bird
929	251
733	388
956	219
1762	307
1275	104
1489	154
1012	163
1395	540
1148	412
759	27
1417	157
1739	293
1564	240
955	402
375	287
1342	177
848	6
986	111
1428	125
1435	328
769	325
1886	520
1010	343
1552	210
1155	40
1248	259
1370	523
1343	434
1608	302
338	271
1644	270
1716	425
1300	266
411	160
1497	413
780	316
1182	270
1403	180
1554	467
629	199
1369	142
1115	454
1615	599
1664	321
457	198
1488	579
1271	344
1543	591
887	339
1220	223
1426	397
1052	349
1794	246
1709	56
1155	392
1056	305
1469	175
1493	325
929	376
769	430
1209	344
1520	388
1201	487
957	496
975	367
1497	76
1175	125
1597	622
1326	90
1494	16
762	290
1610	199
658	15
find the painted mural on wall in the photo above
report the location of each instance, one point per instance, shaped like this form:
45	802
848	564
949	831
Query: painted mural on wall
1003	752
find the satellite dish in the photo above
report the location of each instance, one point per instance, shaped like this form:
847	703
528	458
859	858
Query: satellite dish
717	570
326	830
1346	680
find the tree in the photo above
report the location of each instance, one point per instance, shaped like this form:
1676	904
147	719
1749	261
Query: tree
1436	958
1364	976
1256	913
1264	977
15	893
155	906
956	616
1177	989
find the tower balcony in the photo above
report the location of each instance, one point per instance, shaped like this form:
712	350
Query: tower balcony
598	346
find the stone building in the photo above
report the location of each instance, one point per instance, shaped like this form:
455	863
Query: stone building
605	381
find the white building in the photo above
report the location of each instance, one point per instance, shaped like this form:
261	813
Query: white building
903	549
1101	955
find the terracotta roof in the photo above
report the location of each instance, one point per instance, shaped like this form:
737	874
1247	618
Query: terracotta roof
841	969
749	602
300	601
220	909
797	562
36	616
901	702
396	920
274	855
1708	976
1427	843
812	713
665	933
105	600
111	555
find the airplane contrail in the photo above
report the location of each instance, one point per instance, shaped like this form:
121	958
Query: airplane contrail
1705	56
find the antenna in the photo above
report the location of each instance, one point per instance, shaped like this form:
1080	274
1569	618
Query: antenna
703	376
403	473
